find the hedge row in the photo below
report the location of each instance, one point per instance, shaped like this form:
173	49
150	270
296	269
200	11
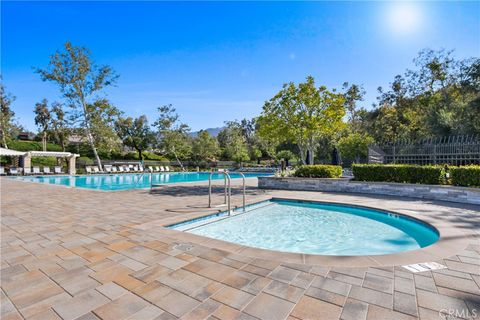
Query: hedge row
319	171
399	173
468	176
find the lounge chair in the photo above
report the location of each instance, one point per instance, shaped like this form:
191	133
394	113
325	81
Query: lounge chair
120	169
36	170
162	169
2	171
135	169
150	168
167	168
13	171
114	169
27	171
88	170
96	170
108	169
46	170
57	170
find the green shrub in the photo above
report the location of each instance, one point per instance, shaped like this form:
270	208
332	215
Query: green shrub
401	173
44	161
87	160
20	145
319	171
468	176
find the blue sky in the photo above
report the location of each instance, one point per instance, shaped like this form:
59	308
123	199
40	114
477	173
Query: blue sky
219	61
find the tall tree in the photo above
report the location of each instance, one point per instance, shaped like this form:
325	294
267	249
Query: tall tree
42	120
79	79
103	116
205	147
233	143
174	137
60	125
6	115
135	133
303	114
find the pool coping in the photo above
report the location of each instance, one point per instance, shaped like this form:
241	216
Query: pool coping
451	240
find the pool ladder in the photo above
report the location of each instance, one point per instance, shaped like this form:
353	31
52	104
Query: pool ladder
227	189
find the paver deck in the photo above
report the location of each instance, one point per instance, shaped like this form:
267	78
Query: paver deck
71	253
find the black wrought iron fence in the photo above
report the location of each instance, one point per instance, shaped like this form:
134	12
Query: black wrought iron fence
453	150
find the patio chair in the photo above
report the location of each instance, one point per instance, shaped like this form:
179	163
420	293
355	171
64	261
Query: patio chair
88	170
167	168
27	171
114	169
135	169
108	169
46	170
157	169
120	168
2	171
96	170
150	168
13	171
57	170
36	170
162	169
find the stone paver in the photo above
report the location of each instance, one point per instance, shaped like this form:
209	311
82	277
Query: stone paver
69	253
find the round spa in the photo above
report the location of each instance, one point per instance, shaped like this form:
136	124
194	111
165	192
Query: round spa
316	228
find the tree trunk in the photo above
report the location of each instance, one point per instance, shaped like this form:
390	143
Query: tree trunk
310	155
303	155
4	139
89	135
140	155
44	141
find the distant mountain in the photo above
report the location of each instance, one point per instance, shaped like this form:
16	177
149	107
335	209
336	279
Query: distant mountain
212	131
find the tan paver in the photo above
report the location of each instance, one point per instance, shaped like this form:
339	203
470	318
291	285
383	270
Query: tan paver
81	254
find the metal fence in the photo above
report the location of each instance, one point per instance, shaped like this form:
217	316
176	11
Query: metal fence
453	150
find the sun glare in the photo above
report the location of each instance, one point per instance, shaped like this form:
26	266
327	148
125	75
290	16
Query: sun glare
404	17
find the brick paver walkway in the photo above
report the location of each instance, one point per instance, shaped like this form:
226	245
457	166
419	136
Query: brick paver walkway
81	254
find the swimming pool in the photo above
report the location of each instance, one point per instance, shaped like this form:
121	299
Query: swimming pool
315	228
115	182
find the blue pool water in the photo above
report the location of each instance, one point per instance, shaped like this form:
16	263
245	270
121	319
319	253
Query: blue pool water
114	182
317	228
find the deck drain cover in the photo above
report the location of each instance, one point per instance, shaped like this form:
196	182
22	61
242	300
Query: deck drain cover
426	266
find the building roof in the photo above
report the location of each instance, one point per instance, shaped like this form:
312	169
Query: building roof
11	153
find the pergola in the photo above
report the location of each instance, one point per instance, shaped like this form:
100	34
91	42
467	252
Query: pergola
27	157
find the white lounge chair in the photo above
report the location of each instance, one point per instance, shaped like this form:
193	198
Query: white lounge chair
36	170
27	171
13	171
57	170
108	169
96	170
46	170
162	169
150	168
167	168
114	169
88	170
2	171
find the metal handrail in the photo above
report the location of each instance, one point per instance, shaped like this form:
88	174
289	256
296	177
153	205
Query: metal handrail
227	195
243	177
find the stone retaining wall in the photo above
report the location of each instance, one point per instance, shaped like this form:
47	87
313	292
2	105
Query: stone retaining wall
432	192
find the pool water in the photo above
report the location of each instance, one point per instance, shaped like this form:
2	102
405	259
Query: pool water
115	182
317	228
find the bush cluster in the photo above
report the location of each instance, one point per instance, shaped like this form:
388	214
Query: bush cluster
399	173
20	145
468	176
319	171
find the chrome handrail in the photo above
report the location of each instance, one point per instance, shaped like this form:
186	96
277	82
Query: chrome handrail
227	190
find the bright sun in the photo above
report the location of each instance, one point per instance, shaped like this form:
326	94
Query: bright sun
404	17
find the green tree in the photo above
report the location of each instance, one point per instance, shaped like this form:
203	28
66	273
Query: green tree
79	79
233	143
205	147
7	116
286	155
174	137
135	133
60	125
43	120
303	114
103	117
354	146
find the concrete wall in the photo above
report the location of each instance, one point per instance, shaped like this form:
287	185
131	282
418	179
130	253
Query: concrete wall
432	192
